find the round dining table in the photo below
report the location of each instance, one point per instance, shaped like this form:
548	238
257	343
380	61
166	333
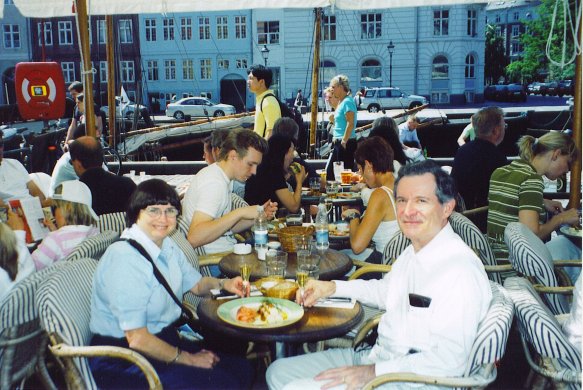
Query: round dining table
317	324
333	265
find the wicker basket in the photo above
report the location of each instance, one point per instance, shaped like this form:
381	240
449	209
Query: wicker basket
283	289
286	236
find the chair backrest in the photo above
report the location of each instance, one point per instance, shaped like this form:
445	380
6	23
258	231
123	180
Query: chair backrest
64	302
476	240
396	245
114	221
22	341
490	343
530	257
539	328
93	247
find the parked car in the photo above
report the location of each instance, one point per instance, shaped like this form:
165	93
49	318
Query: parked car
538	88
376	99
566	87
505	92
198	107
553	88
127	112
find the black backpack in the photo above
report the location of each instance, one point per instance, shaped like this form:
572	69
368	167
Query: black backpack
289	113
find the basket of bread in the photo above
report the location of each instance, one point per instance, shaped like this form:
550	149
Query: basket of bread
286	236
277	288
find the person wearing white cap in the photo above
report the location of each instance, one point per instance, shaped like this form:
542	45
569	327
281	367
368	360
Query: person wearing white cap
74	220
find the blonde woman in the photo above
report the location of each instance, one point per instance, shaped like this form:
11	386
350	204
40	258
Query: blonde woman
343	134
516	194
74	220
15	261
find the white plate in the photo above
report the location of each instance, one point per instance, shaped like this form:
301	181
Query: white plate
571	231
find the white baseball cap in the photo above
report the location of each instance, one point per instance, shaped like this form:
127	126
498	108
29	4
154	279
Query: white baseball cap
77	192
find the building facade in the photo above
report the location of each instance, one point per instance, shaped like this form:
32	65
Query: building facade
14	49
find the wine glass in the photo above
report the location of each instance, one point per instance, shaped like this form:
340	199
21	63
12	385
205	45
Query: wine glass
302	278
245	274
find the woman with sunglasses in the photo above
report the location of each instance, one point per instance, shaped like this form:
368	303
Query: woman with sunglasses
131	308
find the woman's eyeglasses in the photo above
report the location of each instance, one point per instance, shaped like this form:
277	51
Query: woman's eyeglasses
156	212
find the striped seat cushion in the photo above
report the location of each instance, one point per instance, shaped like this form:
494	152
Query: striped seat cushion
115	222
530	257
192	258
476	240
539	328
490	343
64	302
396	245
94	247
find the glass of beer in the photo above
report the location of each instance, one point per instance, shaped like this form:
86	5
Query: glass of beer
346	176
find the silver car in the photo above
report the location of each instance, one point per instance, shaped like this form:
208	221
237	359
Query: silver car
376	99
127	111
198	107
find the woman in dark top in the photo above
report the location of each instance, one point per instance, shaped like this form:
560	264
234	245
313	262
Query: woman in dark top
270	180
387	129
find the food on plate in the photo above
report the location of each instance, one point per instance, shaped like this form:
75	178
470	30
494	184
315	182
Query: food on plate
295	167
574	231
266	313
346	195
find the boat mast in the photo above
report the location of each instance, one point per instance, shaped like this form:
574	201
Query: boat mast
86	69
315	74
110	80
575	197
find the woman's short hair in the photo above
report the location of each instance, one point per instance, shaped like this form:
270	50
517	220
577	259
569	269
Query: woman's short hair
150	192
286	126
386	128
8	251
341	80
530	147
377	152
73	212
279	145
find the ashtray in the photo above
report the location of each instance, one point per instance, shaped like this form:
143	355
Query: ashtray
242	249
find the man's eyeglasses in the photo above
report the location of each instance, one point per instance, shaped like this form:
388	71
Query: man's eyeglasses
156	212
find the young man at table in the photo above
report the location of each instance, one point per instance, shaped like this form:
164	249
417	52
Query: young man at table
207	203
435	296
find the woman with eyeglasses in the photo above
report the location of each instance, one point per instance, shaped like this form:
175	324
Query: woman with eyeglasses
516	195
131	308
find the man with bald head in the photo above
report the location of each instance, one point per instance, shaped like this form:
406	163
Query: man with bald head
110	193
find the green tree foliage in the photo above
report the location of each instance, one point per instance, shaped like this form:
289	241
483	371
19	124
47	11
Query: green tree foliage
534	64
495	60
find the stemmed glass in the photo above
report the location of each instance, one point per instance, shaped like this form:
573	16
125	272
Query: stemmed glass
302	278
245	274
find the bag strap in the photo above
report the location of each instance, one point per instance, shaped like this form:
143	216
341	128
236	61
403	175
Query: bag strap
159	276
261	110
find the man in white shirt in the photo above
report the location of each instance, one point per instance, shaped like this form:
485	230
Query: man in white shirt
207	203
435	297
14	180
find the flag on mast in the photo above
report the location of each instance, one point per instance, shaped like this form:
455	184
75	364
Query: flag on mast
125	100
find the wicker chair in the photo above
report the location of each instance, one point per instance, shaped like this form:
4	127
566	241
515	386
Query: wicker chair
64	302
530	257
23	342
546	347
488	348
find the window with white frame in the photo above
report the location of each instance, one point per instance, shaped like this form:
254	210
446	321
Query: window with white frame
103	72
68	69
65	32
440	22
515	31
440	68
498	31
150	25
240	27
152	69
205	69
127	71
329	28
439	97
497	18
515	48
11	36
472	22
186	29
125	31
328	70
371	70
48	33
101	32
168	29
267	32
241	63
371	26
470	69
204	28
222	27
187	70
170	69
223	64
516	16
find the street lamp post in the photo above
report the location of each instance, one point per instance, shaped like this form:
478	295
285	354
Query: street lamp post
265	54
391	48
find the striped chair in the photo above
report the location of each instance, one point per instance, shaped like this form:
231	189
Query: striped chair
22	341
487	350
93	247
396	245
546	347
64	302
114	221
530	257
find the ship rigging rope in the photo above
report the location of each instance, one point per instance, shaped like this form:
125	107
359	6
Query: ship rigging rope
568	31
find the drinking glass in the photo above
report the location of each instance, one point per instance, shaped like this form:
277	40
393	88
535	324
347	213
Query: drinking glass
303	243
245	270
338	168
276	263
311	270
302	278
346	176
332	189
315	186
